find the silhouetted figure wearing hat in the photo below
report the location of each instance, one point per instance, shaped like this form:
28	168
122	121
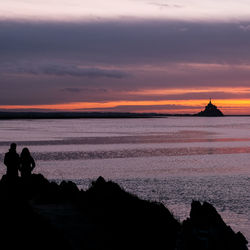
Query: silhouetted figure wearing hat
12	161
27	163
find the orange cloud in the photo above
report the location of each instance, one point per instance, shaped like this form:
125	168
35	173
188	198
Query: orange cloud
229	106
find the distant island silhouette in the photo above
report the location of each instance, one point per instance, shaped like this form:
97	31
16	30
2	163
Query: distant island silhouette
210	110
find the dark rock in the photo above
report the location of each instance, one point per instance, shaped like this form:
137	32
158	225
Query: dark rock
38	214
136	223
205	230
22	228
68	190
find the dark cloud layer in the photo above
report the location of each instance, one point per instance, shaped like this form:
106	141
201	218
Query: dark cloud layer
80	90
140	42
45	63
59	70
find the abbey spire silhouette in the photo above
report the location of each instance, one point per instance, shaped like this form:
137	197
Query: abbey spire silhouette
210	110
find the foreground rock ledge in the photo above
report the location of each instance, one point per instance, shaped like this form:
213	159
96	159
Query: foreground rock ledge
38	214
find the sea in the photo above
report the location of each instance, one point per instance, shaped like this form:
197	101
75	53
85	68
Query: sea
172	160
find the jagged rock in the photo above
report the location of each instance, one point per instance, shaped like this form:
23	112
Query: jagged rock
40	214
205	230
139	224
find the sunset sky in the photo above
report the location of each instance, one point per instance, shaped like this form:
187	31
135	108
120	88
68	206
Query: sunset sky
167	56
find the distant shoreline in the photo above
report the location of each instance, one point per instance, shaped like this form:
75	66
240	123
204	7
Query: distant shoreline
91	115
75	115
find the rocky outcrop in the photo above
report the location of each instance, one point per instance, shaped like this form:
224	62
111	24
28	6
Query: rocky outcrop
39	214
205	230
137	223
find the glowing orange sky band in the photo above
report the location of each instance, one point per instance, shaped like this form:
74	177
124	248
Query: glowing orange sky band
221	103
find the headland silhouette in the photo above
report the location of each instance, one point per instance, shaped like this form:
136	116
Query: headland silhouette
36	213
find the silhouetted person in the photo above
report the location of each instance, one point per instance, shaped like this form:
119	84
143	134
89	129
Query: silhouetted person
27	163
12	161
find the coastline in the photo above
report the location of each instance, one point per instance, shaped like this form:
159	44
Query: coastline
14	115
105	217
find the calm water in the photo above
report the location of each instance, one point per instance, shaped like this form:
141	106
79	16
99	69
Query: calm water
172	160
